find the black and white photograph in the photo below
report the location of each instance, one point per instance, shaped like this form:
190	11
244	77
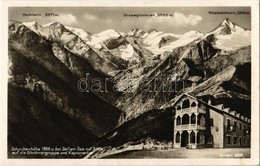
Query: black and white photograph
131	82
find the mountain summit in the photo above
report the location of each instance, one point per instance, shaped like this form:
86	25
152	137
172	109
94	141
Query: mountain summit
230	36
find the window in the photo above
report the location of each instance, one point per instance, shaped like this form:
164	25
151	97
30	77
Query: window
240	126
201	120
177	137
228	125
234	140
186	104
185	119
192	137
193	104
240	141
228	140
211	122
235	126
193	118
246	131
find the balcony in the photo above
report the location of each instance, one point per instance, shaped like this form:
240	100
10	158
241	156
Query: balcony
190	127
190	110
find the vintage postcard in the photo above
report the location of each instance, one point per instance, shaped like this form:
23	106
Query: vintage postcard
130	83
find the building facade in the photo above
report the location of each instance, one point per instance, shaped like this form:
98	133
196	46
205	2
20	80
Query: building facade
198	124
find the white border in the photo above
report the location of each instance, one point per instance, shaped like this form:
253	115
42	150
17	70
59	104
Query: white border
254	160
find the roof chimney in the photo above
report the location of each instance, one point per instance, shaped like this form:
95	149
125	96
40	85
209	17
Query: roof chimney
209	101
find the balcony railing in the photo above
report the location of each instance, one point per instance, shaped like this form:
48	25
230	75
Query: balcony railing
190	127
186	110
190	110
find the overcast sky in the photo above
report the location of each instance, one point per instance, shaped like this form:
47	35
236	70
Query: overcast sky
97	19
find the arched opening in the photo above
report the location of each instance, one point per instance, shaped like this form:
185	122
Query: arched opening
192	137
193	104
179	107
186	104
193	118
178	122
200	137
184	138
178	137
185	119
201	120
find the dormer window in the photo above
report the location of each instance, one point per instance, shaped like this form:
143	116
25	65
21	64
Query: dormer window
193	104
186	104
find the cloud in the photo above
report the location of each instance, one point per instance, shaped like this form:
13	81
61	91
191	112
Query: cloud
90	17
181	20
66	19
177	20
96	20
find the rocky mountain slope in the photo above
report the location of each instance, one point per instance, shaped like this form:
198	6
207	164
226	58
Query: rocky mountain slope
144	71
46	75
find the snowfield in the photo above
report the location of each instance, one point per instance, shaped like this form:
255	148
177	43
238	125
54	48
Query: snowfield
127	52
154	38
156	41
238	38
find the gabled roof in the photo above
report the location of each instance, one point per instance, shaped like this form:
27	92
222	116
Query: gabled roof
181	96
216	109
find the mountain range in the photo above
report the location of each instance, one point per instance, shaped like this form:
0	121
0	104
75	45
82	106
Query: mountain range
46	108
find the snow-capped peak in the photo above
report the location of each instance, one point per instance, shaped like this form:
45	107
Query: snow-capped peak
53	23
230	36
56	24
109	32
227	22
48	24
97	39
84	35
29	24
34	26
191	34
155	37
138	33
135	30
